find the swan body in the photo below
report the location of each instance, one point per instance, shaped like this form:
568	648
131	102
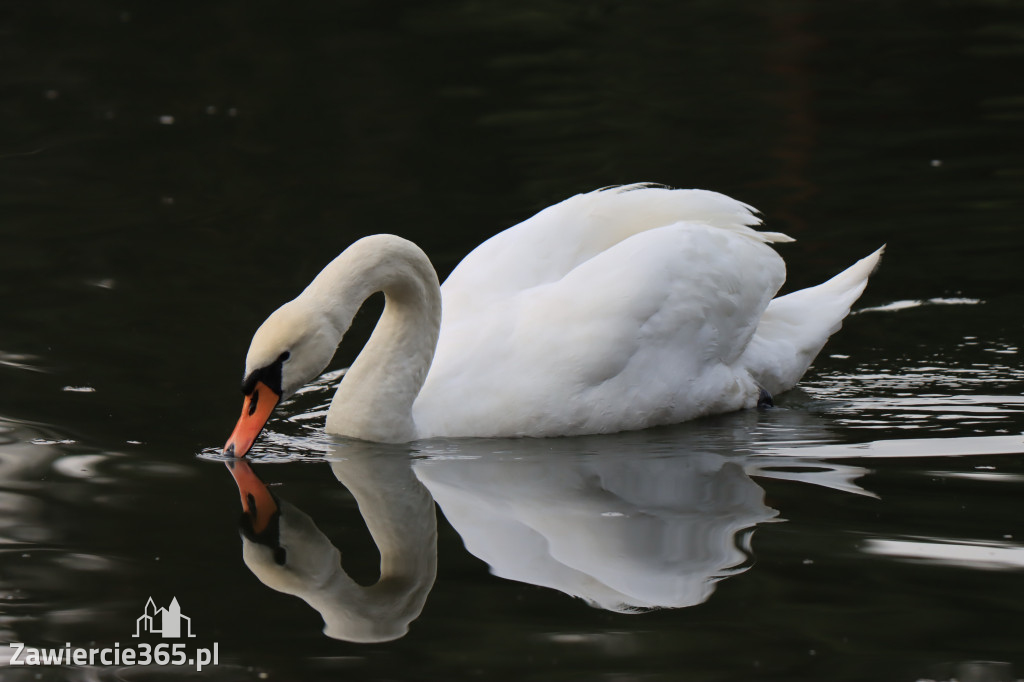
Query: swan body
618	309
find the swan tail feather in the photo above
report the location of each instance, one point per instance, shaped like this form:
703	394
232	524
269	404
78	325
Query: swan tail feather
795	327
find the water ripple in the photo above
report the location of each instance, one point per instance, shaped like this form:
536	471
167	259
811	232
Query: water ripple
965	553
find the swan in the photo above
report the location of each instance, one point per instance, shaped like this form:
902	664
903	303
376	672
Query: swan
619	309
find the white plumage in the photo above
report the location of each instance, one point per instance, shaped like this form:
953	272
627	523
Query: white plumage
619	309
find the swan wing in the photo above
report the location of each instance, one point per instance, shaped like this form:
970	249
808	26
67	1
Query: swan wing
645	331
551	244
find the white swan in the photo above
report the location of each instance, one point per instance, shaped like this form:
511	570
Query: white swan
619	309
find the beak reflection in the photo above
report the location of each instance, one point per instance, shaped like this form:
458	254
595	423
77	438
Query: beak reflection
258	504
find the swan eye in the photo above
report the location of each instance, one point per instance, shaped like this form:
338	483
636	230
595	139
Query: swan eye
269	375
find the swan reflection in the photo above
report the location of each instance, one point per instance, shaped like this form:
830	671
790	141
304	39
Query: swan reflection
622	534
626	526
284	548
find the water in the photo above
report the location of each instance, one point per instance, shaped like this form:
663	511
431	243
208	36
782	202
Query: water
169	175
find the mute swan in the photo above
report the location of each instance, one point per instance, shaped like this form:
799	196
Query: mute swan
618	309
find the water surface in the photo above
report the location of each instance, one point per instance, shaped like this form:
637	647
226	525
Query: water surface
171	174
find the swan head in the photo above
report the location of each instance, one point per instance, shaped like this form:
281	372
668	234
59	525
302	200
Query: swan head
291	348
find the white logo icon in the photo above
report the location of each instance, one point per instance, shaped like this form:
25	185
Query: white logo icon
165	622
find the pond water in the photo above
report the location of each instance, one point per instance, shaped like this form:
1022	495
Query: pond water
171	173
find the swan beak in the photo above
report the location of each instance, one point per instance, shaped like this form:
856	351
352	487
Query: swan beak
256	409
258	504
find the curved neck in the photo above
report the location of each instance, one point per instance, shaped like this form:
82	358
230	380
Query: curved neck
399	513
374	400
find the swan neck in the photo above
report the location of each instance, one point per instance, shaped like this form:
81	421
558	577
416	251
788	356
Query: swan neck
374	401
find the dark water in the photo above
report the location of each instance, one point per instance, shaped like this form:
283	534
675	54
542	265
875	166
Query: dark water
170	173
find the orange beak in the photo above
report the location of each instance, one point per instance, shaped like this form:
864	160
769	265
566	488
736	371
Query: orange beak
256	409
257	502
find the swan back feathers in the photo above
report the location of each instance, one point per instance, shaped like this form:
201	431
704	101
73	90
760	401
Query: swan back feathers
551	244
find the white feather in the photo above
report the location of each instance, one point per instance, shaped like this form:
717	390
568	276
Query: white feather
619	309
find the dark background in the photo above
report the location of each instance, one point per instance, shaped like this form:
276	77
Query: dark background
171	172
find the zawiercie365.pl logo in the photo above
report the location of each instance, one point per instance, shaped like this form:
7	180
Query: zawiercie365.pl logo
169	623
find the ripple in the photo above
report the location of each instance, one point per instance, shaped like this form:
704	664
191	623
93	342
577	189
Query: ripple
917	303
912	447
20	361
966	553
296	431
969	386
